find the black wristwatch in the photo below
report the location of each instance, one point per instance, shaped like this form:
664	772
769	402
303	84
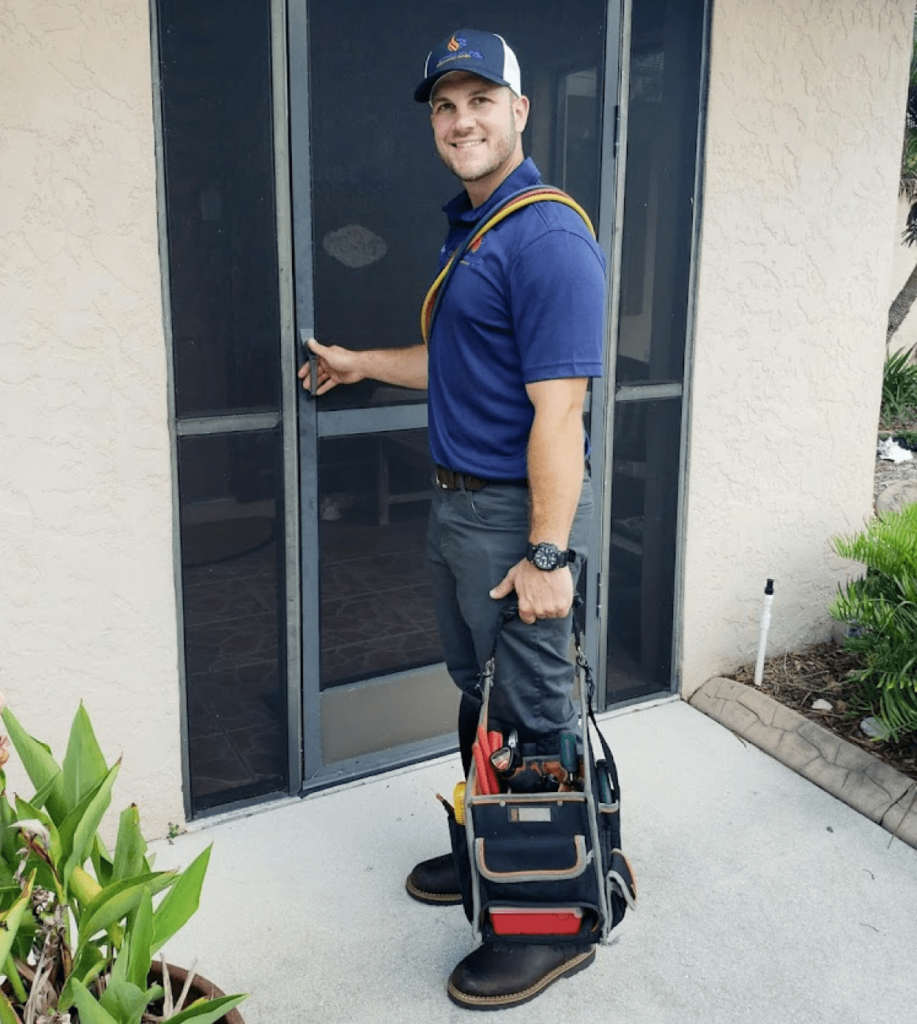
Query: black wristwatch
548	556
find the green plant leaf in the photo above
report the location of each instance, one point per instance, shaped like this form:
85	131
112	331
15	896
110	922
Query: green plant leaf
69	825
130	846
84	765
124	1001
26	812
208	1011
40	797
7	1014
14	981
12	918
883	603
899	385
40	766
85	968
7	834
90	812
117	900
133	965
181	902
91	1012
102	862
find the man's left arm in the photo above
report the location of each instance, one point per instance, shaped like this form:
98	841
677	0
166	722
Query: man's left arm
555	470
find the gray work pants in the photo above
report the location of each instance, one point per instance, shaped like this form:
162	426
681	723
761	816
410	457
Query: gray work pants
473	539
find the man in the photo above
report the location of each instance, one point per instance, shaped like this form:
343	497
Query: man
516	337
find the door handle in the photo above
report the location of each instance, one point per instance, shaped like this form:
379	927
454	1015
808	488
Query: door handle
305	334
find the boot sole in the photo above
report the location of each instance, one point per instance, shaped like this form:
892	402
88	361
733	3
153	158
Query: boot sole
571	967
433	899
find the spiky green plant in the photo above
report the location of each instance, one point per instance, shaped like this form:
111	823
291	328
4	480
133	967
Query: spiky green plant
78	926
883	604
899	386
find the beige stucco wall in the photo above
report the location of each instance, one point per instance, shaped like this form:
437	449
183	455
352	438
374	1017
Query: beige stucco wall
803	145
87	596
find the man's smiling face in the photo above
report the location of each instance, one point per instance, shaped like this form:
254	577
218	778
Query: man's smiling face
477	127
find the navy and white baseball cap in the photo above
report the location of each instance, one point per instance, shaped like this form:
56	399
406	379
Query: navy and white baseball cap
479	53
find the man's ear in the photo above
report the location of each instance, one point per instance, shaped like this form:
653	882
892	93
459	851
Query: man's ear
521	112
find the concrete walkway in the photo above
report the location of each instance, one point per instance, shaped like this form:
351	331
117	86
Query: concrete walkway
849	772
763	899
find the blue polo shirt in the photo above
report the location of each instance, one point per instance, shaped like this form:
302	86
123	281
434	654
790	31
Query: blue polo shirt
527	305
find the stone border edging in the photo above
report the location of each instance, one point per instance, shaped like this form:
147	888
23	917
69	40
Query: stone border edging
844	770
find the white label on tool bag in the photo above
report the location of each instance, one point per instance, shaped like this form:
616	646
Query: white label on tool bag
524	814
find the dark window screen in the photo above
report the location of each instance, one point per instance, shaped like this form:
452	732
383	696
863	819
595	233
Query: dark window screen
216	82
233	593
642	560
659	189
219	178
376	603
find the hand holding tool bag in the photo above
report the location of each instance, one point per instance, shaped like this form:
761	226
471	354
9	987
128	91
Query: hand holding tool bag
537	839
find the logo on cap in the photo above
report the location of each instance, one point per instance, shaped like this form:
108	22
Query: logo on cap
455	44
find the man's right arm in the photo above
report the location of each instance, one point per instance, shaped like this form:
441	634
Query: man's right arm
404	367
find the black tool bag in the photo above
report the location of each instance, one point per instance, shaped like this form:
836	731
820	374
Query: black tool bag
537	841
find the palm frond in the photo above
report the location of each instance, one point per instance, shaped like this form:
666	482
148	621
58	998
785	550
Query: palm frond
883	604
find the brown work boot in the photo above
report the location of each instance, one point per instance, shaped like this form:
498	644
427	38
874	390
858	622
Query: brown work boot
493	977
435	881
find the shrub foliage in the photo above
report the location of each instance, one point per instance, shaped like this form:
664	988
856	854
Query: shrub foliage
883	605
899	385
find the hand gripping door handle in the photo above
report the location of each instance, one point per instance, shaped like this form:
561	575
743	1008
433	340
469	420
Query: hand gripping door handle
305	333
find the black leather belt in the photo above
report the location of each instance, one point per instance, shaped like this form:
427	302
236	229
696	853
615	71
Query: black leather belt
451	480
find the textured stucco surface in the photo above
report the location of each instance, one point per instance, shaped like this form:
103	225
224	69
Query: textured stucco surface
803	142
87	596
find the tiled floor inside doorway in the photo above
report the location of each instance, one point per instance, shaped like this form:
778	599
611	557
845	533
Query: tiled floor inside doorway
376	617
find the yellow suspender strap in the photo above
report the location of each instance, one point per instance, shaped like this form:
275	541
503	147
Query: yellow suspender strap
539	195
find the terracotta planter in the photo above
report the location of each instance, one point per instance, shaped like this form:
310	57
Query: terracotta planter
201	988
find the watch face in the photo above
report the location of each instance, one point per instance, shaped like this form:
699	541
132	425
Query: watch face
544	559
546	556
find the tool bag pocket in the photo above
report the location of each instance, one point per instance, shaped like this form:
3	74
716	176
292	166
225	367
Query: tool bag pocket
533	864
618	877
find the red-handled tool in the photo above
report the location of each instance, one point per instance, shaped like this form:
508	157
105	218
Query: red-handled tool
482	748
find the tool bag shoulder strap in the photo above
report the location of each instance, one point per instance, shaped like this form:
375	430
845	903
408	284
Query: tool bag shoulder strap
517	201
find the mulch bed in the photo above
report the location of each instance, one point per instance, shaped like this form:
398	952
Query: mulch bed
822	671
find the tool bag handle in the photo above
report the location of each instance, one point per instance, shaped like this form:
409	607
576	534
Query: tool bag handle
583	673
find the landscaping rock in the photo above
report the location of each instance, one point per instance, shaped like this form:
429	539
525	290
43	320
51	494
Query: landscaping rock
894	497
